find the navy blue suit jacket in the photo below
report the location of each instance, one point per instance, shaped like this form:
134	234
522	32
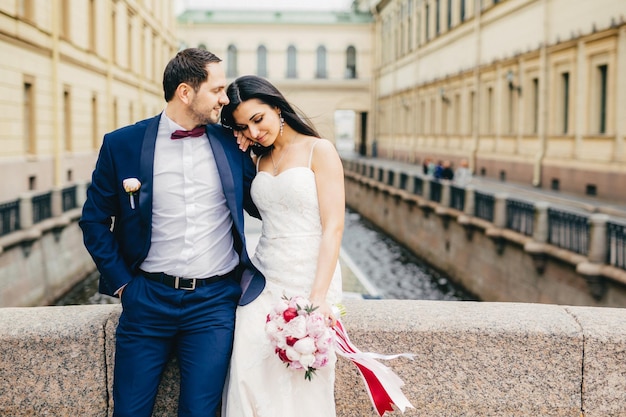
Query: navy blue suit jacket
129	153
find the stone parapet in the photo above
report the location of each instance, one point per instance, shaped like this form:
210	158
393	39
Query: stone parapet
472	359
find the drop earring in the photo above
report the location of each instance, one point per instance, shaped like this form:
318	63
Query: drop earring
282	124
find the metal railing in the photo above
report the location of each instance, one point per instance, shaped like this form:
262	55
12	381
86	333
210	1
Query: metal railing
435	191
418	185
520	216
42	207
457	197
484	206
616	244
568	231
404	178
68	198
9	217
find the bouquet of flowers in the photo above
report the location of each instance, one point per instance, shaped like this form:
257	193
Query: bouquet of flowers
303	340
301	336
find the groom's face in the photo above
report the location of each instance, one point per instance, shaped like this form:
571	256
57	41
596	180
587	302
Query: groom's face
206	104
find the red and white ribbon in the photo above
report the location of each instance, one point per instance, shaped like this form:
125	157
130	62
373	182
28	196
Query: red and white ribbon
383	385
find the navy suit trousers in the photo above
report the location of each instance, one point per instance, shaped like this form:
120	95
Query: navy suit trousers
158	321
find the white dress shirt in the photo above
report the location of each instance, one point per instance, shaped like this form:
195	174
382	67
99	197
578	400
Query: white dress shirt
191	223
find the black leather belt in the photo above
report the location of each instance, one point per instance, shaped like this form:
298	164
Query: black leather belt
181	283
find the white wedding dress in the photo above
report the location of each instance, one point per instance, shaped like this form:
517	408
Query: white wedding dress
259	384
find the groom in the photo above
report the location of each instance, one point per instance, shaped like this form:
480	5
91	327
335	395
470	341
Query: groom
174	188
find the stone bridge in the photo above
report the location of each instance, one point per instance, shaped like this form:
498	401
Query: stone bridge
472	359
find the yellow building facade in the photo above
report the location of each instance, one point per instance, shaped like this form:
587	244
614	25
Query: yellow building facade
320	60
72	70
531	91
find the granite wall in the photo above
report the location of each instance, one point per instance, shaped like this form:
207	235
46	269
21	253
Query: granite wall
472	359
42	262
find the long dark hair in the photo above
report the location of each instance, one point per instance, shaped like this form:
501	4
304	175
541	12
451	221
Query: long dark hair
250	87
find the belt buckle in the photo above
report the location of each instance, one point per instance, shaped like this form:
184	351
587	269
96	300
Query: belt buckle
177	282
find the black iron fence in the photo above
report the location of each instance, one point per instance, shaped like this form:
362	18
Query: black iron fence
616	244
68	197
9	217
520	216
484	206
42	207
418	185
568	231
435	191
457	198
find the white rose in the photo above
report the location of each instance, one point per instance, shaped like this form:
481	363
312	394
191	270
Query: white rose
131	185
305	346
307	360
292	354
296	327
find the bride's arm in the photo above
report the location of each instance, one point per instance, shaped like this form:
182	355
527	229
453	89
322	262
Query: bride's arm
328	170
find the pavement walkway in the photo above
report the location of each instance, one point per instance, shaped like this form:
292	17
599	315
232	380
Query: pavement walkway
587	204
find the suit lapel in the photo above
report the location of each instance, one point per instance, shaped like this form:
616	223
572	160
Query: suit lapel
146	167
226	174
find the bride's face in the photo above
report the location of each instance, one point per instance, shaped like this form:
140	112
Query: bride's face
257	121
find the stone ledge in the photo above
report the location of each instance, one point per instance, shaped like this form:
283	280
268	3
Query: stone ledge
472	359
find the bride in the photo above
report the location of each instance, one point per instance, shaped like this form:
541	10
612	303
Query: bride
299	191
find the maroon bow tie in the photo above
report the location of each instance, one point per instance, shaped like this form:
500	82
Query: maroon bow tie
194	133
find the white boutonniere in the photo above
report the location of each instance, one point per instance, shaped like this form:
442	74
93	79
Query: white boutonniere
131	186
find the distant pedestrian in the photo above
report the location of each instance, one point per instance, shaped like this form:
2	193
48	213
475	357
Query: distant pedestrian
462	175
446	171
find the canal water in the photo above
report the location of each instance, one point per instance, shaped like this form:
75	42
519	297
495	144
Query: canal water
390	268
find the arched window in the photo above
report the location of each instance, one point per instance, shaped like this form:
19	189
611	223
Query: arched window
351	62
321	62
231	69
261	61
291	62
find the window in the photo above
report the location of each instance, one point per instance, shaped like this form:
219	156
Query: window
321	62
511	96
470	116
231	68
351	62
418	30
115	117
25	9
67	118
489	110
113	34
565	102
462	14
261	61
410	25
437	17
64	16
94	122
92	17
535	104
28	126
291	62
449	12
602	83
129	48
427	22
457	114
